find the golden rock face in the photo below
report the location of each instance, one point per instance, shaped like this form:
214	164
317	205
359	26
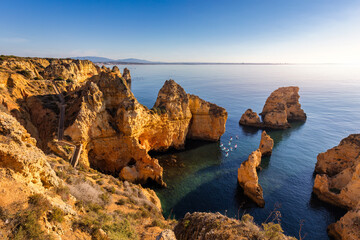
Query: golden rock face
338	182
248	178
266	144
281	107
117	131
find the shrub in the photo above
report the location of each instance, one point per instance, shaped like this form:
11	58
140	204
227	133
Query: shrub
100	182
64	193
121	201
25	73
26	223
39	201
272	230
56	215
247	218
59	78
105	197
110	189
160	224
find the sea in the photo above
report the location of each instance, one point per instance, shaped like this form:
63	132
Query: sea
202	178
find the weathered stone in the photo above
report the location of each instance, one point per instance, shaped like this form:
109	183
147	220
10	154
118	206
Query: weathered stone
248	178
281	107
266	144
338	183
250	118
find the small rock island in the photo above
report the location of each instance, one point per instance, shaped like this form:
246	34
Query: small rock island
280	108
247	173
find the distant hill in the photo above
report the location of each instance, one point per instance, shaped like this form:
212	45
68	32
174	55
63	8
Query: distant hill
94	59
103	59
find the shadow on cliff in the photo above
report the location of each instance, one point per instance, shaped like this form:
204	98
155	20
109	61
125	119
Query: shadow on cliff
43	112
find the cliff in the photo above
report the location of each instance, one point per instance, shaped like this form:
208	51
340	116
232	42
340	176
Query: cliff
338	182
117	132
43	197
281	107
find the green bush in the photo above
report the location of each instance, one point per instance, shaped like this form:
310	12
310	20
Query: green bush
59	78
56	215
26	223
272	230
64	193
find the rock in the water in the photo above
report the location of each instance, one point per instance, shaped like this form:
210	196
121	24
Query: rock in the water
281	107
250	118
266	144
248	178
338	183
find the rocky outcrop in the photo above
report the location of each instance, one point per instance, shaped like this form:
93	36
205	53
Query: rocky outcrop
68	69
266	144
215	226
208	120
248	178
338	182
117	131
250	118
19	153
127	77
281	107
348	227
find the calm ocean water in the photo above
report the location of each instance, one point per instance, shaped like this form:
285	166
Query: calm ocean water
203	179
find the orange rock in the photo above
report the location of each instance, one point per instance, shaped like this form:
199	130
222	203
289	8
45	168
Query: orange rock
248	178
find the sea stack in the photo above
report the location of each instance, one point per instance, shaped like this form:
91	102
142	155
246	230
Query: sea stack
338	182
281	107
266	144
248	178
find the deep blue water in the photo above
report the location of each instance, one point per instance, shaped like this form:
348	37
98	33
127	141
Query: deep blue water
202	179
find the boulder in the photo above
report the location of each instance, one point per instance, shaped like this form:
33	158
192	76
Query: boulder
250	118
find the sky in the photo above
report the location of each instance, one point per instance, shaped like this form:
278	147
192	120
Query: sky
281	31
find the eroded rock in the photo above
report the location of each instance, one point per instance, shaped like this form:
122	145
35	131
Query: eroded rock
266	144
117	131
248	178
281	107
338	182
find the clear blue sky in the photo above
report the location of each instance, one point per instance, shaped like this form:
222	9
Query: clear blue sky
187	30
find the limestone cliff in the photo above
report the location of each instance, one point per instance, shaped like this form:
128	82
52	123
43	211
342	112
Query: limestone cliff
338	182
281	107
117	131
19	153
248	178
43	197
208	120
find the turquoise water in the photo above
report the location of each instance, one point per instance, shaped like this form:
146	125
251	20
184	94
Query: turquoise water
203	179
